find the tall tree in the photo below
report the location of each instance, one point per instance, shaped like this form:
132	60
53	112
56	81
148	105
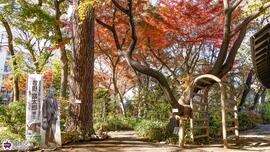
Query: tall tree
137	65
64	59
82	68
258	95
234	30
233	35
6	25
246	89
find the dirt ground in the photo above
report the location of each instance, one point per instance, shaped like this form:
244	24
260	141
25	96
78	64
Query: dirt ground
257	139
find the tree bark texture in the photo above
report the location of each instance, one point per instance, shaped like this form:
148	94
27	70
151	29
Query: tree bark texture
82	70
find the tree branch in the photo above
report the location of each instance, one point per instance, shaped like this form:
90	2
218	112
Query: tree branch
120	7
250	18
233	51
236	4
104	24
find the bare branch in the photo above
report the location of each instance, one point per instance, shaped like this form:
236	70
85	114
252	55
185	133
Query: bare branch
104	24
250	18
120	7
236	4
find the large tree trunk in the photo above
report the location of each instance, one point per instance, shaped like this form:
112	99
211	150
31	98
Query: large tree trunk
64	59
16	93
246	89
81	81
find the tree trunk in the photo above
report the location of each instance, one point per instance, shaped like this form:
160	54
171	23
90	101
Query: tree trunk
16	93
246	89
81	92
117	93
260	92
64	59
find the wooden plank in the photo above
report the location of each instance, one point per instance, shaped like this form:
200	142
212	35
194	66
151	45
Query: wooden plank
205	81
197	94
230	110
231	120
261	44
260	51
230	101
201	136
231	129
261	57
192	123
201	111
200	119
200	103
232	137
181	132
198	86
236	132
201	127
223	114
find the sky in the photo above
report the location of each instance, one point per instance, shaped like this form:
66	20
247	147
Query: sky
154	2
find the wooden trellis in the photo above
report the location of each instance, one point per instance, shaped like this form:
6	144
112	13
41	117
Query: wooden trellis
199	123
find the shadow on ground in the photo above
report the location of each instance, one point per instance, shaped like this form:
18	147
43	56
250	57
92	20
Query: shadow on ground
257	139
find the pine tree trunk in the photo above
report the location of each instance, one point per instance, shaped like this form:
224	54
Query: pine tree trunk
82	70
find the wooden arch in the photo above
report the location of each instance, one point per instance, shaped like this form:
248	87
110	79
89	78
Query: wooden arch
199	104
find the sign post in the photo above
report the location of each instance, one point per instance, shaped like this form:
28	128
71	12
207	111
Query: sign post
34	100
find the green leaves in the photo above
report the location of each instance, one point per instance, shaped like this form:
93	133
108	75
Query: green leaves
35	19
12	116
86	5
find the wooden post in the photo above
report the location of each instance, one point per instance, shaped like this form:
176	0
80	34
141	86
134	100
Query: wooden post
206	90
223	113
191	120
236	124
181	132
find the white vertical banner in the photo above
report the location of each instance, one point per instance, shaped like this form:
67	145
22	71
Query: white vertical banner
34	100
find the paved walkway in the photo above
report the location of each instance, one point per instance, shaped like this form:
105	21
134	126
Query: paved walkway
257	139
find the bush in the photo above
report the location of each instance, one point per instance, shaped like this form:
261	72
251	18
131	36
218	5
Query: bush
8	135
248	120
215	124
12	116
152	130
114	123
266	112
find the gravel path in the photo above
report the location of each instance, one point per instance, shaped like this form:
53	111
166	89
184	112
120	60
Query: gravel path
257	139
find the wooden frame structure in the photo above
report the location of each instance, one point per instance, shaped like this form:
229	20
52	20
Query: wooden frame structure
260	53
199	104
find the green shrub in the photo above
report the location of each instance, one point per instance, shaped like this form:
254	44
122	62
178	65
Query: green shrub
12	116
215	124
153	130
8	135
266	112
248	120
114	123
